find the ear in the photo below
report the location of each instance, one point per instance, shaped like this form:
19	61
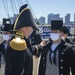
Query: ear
26	28
66	35
62	33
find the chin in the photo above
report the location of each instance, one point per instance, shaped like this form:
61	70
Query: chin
56	40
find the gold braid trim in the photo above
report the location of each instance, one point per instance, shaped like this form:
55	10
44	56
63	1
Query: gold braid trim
36	49
19	16
18	45
19	34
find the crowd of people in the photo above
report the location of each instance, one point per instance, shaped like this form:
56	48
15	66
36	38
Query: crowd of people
21	42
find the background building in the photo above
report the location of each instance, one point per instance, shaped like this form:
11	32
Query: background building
49	18
54	17
12	19
67	19
42	20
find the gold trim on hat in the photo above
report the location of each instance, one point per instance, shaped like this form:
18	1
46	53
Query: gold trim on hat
19	16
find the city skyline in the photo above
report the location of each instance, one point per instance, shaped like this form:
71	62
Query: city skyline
43	8
42	19
53	16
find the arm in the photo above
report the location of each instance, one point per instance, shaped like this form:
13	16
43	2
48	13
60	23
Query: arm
37	49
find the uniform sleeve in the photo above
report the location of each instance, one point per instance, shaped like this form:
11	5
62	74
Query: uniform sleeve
38	41
14	60
36	49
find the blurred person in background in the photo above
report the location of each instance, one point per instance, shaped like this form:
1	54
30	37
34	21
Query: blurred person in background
66	33
6	34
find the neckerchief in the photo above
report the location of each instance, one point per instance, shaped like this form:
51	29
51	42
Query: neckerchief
57	48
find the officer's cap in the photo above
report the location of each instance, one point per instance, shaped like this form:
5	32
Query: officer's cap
6	27
56	24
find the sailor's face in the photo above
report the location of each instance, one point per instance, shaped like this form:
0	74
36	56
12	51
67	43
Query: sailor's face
6	35
56	35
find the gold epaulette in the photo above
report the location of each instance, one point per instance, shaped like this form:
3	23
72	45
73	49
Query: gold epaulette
18	44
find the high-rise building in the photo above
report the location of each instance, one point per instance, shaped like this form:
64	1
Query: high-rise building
54	17
67	19
42	20
49	18
15	16
12	19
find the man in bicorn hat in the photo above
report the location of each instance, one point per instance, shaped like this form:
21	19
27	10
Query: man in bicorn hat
19	52
58	56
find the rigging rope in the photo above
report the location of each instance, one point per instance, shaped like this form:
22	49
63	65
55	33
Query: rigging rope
30	7
18	3
14	4
6	8
21	2
32	11
12	8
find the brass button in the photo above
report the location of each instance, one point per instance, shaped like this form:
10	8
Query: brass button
61	60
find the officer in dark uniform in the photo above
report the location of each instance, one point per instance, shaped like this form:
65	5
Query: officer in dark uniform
19	50
58	56
6	34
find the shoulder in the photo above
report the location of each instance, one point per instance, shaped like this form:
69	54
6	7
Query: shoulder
70	47
67	40
17	44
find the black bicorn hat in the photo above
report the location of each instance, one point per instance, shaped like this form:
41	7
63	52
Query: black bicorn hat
56	24
22	7
25	19
6	27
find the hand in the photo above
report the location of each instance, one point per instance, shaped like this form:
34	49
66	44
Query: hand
36	57
43	43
